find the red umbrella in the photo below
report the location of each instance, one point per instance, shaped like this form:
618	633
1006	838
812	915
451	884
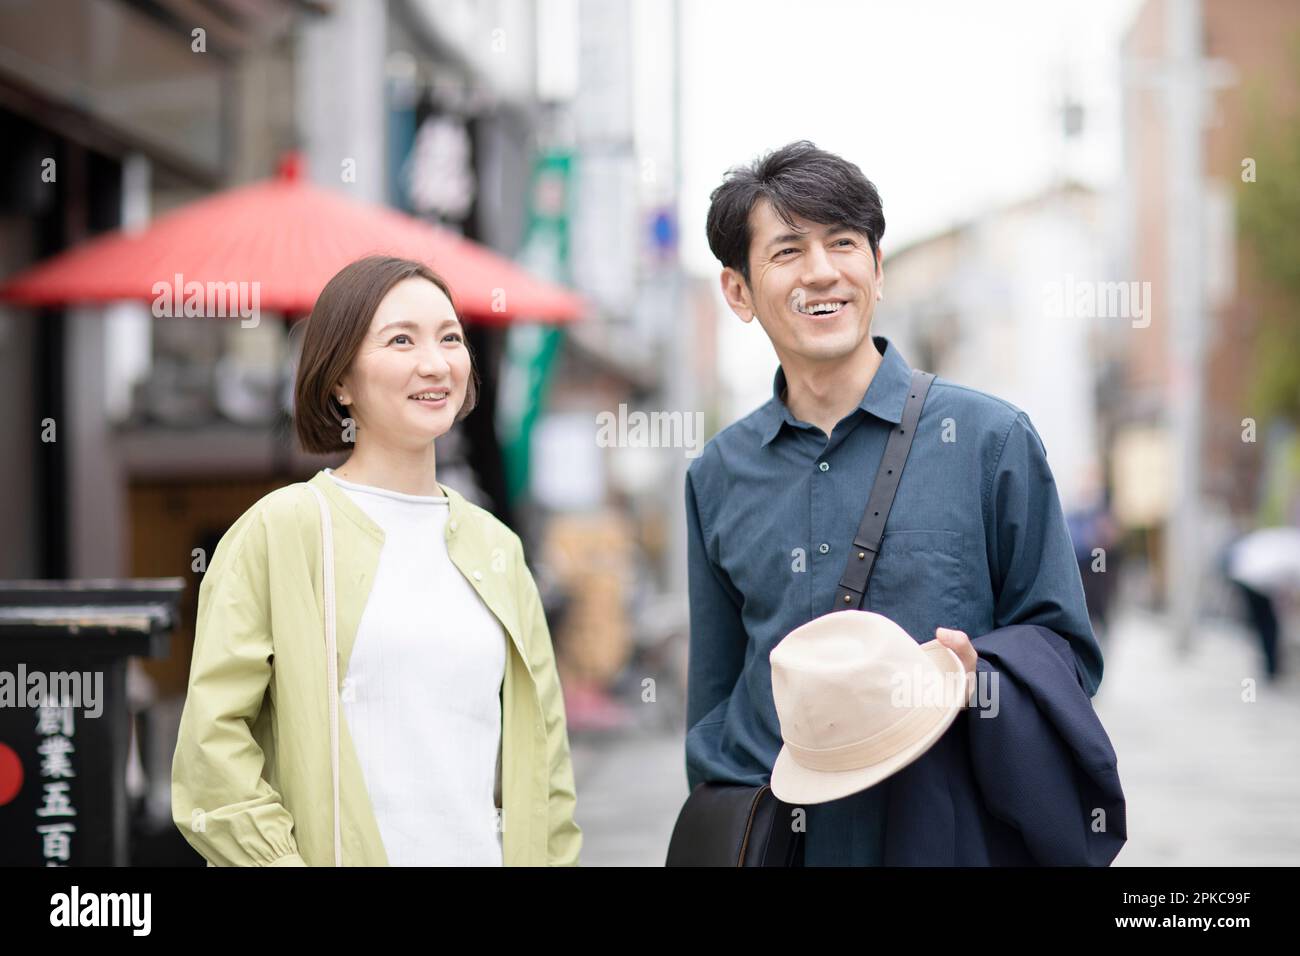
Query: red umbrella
290	237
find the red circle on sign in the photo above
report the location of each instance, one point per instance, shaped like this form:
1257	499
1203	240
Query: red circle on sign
11	774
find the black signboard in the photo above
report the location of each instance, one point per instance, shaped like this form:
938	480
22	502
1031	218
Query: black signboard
64	722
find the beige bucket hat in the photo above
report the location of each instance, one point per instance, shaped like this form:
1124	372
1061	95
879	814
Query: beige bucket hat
858	699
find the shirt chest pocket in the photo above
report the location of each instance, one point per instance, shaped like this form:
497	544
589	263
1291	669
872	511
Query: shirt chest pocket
922	581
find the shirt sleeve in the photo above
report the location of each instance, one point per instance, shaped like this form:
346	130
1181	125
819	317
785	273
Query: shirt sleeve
1031	556
220	801
717	634
564	837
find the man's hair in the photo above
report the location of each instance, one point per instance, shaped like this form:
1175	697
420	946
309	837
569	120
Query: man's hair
338	325
798	179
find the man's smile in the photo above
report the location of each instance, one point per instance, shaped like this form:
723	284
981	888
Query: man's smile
817	305
820	311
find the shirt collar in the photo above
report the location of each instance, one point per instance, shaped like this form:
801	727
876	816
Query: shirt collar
884	398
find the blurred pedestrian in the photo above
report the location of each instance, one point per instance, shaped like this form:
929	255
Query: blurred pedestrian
1265	565
1095	536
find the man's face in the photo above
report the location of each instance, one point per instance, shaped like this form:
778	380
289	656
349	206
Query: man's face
415	345
794	273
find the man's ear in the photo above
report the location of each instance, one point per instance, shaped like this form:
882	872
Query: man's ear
880	271
736	291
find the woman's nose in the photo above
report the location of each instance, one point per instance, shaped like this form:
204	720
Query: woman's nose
434	364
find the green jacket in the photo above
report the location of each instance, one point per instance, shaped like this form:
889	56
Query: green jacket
251	777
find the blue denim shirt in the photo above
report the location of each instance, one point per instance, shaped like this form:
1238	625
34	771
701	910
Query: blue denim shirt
976	540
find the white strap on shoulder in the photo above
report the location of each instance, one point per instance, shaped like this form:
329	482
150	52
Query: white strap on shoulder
331	657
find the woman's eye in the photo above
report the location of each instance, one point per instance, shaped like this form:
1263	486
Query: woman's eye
453	335
396	337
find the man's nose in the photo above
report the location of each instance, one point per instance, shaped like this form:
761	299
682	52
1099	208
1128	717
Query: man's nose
819	268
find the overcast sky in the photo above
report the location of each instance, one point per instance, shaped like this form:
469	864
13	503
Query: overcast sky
949	107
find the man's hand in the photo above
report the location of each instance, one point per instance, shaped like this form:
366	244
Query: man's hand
959	644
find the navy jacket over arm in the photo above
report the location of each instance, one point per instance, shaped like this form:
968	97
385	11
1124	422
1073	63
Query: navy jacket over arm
1035	783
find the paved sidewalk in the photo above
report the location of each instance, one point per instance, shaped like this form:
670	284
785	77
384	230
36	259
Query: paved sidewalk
1209	780
630	788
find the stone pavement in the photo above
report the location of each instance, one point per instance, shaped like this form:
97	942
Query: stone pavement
1209	779
629	791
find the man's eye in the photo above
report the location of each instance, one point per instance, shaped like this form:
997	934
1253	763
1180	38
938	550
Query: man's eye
849	241
784	251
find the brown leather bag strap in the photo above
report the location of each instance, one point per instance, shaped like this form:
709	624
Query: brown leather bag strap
866	543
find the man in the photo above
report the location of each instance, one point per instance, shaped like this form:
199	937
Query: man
976	539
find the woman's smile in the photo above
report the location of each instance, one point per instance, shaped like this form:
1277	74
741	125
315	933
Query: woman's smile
437	399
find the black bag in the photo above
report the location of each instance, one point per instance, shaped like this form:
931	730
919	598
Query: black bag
729	824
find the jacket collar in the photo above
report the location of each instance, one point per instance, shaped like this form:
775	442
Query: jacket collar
884	398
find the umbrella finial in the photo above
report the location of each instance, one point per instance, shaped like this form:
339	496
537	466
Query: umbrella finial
291	167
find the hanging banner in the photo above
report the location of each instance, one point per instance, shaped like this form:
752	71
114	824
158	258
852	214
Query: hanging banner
531	348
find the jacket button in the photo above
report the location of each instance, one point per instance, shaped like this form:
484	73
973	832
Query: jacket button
478	575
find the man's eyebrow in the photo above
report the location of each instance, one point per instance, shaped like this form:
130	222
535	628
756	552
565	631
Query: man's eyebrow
799	236
408	324
788	237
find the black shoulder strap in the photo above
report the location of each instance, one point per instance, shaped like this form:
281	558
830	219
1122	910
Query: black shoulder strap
866	544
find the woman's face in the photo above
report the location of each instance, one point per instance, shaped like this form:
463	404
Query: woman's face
415	346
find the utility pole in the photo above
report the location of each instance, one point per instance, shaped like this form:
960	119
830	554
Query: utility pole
1186	80
1189	82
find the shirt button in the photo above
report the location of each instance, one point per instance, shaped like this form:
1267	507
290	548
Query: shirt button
478	575
453	526
825	466
824	548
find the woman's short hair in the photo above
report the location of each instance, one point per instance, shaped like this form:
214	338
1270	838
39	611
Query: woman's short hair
334	332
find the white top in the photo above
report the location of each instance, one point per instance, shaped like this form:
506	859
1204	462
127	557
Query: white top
421	695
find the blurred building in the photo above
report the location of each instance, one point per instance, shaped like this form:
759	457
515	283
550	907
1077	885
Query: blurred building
1211	301
108	113
613	510
972	305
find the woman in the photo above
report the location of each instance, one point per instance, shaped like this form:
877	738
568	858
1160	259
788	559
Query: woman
445	740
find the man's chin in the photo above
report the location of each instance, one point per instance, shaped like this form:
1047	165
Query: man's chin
828	350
